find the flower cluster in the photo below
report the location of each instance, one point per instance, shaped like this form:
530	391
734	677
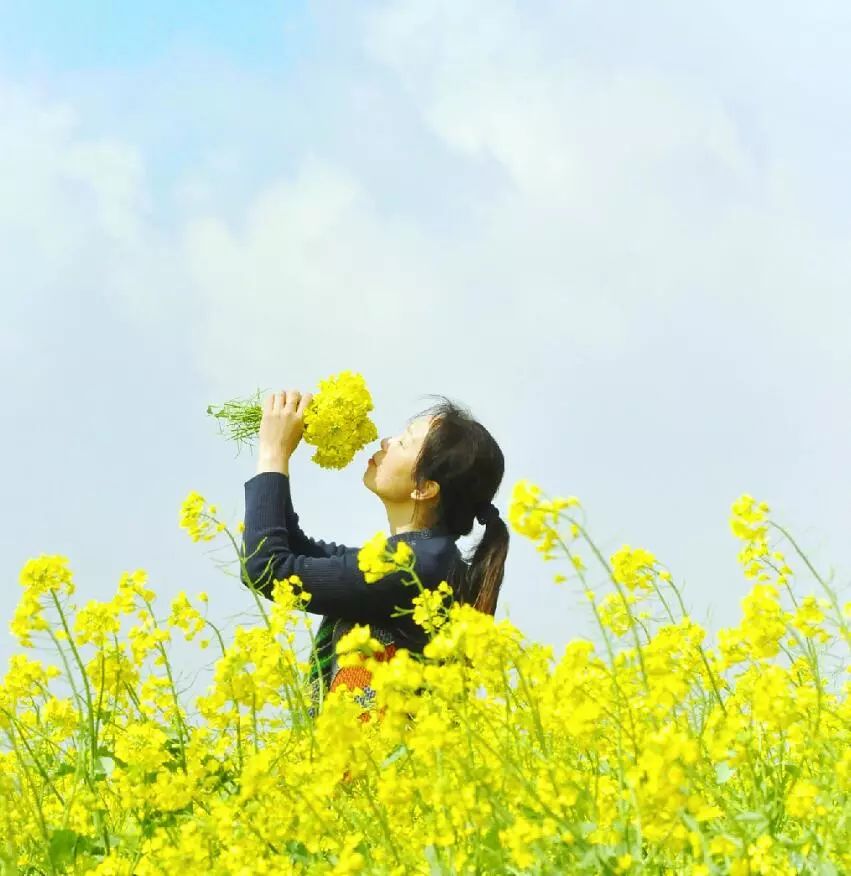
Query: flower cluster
430	607
375	560
337	420
47	575
201	524
186	617
633	567
357	643
537	518
96	623
747	523
614	612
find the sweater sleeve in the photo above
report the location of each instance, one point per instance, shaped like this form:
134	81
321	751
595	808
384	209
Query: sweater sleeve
336	584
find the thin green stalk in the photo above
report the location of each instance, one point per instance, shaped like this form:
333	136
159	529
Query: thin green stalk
699	646
38	765
77	657
846	632
28	777
620	591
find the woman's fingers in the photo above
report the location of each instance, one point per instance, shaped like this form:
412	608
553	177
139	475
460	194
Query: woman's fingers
292	399
306	399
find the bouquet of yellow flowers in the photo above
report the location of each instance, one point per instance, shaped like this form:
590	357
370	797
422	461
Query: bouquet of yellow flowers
336	421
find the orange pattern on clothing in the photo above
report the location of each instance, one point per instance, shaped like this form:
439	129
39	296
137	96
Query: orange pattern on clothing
359	676
352	677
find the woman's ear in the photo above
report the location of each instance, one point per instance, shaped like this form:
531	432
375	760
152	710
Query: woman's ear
431	489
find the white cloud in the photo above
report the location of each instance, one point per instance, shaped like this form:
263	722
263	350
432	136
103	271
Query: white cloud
624	193
654	194
312	275
75	218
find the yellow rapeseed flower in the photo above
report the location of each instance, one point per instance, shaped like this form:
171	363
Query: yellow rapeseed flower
199	523
337	420
43	579
376	561
430	610
96	623
536	518
747	524
45	573
613	613
808	618
141	747
633	567
185	616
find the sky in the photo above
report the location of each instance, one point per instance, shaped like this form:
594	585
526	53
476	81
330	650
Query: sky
618	234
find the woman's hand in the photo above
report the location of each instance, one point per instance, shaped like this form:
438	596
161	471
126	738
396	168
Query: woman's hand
281	428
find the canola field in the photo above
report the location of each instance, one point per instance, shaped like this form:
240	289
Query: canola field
653	751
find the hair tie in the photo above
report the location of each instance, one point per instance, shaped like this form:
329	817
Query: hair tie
488	513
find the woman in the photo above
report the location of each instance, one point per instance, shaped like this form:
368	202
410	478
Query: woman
434	479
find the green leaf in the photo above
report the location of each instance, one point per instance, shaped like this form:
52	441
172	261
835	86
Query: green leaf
64	847
64	769
297	851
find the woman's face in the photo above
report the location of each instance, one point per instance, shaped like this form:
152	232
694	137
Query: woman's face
389	474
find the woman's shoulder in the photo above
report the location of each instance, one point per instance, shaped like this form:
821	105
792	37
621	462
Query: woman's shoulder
435	559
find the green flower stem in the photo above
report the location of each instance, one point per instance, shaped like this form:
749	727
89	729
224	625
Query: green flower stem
36	798
38	765
710	673
254	720
178	718
233	696
626	604
77	697
76	653
380	815
622	700
100	693
846	632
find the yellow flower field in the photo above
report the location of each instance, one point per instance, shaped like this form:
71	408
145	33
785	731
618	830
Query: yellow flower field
656	753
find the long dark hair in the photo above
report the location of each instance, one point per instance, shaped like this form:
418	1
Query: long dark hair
461	455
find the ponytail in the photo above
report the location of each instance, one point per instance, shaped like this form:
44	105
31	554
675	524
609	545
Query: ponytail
461	455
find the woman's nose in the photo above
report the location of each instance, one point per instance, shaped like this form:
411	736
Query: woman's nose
383	442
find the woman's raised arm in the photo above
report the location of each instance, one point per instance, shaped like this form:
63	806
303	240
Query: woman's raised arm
333	578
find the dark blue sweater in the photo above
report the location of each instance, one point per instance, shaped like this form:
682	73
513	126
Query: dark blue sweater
329	571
